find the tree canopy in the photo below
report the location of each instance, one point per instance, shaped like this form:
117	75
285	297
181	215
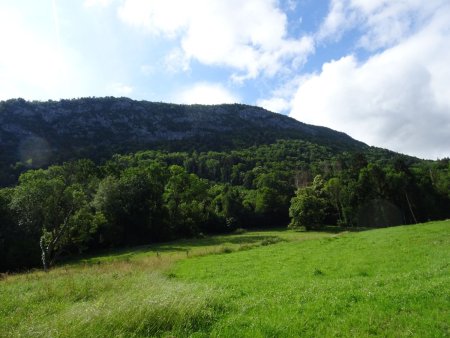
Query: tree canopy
154	196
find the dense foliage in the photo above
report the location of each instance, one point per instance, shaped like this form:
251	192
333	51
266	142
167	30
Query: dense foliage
154	196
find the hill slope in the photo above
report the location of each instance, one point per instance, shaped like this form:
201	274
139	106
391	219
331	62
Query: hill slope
41	133
387	282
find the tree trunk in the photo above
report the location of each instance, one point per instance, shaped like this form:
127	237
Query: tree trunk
48	255
44	255
344	214
410	208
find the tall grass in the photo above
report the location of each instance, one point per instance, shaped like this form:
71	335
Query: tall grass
128	293
388	282
122	299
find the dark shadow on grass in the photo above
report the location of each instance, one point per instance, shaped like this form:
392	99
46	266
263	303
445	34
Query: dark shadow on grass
334	229
181	245
233	239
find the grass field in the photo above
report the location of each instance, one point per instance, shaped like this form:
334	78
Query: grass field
386	282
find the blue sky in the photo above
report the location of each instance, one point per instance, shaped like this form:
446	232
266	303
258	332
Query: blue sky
378	70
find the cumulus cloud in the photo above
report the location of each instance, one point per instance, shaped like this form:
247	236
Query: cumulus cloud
398	98
274	104
250	36
383	23
280	99
206	93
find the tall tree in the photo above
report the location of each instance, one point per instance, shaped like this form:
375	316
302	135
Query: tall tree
308	206
133	206
43	202
186	199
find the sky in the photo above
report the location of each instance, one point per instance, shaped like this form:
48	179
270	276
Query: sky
378	70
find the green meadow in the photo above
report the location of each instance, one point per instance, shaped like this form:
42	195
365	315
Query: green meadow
391	282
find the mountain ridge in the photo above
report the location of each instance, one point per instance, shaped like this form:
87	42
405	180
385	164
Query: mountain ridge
36	133
201	118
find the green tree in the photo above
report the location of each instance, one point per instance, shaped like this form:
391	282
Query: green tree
18	247
335	192
272	197
133	206
308	206
227	204
186	199
44	203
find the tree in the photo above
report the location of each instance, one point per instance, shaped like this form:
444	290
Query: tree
272	197
108	203
17	245
335	191
43	203
186	199
308	206
133	206
227	205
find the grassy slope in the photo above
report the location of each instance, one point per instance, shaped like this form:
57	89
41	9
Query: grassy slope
392	282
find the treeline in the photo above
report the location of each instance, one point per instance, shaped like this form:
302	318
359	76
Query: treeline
156	196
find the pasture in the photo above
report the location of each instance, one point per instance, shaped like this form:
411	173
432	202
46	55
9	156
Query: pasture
277	283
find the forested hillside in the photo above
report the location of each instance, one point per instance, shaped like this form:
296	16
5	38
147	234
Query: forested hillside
103	173
38	134
154	196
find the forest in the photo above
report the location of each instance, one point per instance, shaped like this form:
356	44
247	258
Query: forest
153	196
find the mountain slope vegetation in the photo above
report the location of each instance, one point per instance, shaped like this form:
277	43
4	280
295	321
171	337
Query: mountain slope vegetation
36	134
271	171
154	196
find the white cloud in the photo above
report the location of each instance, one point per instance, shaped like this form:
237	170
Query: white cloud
398	98
280	99
176	61
336	22
383	22
206	93
274	104
249	36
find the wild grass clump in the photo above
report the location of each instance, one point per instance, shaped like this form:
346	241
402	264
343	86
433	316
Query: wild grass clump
318	272
118	300
124	294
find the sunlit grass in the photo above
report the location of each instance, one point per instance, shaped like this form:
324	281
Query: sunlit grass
126	293
100	303
387	282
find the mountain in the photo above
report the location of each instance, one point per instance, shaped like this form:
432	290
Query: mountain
266	170
36	134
